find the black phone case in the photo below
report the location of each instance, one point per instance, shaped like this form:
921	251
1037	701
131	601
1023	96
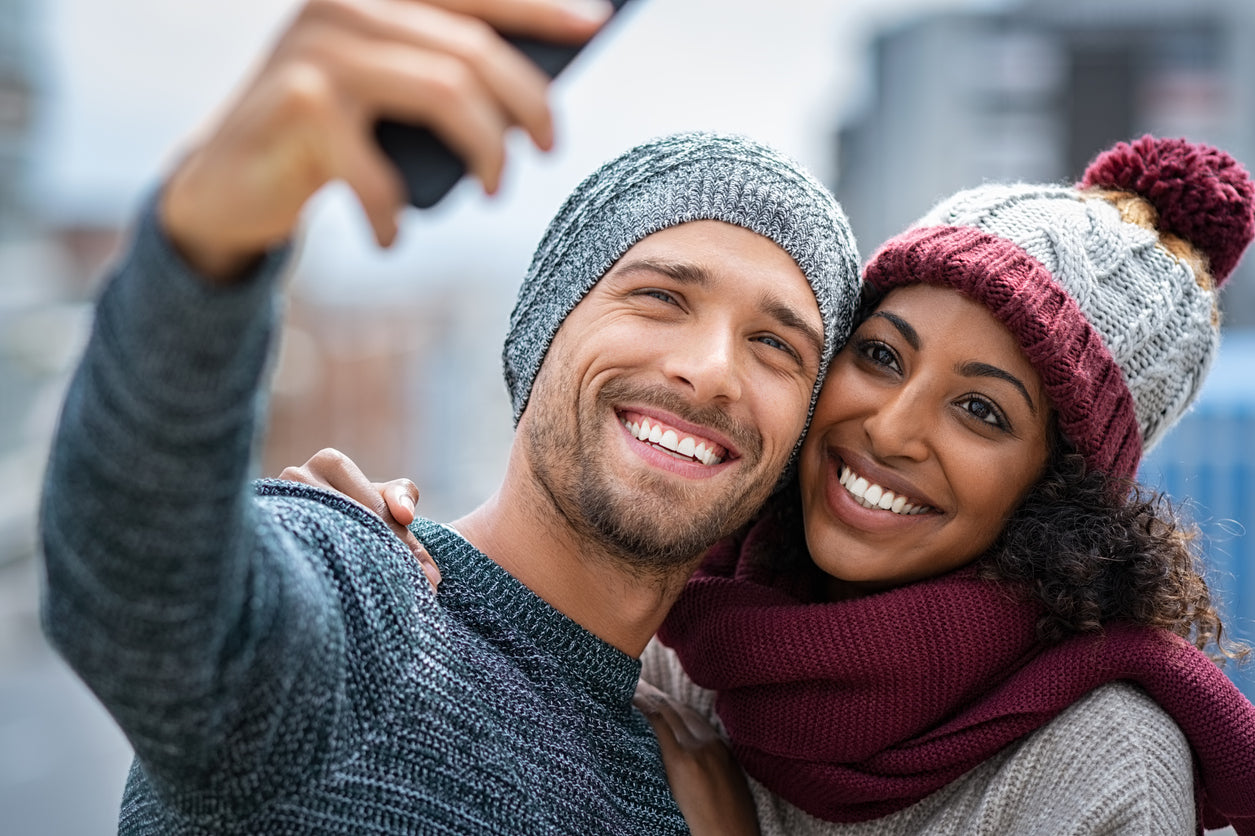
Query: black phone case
429	168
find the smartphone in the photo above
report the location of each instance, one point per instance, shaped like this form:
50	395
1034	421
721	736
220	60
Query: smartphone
429	168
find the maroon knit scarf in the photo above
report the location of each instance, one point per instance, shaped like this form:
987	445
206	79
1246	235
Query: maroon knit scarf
856	709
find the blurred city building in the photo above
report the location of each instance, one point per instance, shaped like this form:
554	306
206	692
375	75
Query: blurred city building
53	736
1032	91
407	383
17	92
1207	463
23	288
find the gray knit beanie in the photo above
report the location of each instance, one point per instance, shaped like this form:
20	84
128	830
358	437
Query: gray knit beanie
663	183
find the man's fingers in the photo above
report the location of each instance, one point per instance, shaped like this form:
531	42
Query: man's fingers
420	61
378	186
307	117
560	21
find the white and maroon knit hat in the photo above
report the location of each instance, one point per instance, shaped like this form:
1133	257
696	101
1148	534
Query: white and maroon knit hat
1120	329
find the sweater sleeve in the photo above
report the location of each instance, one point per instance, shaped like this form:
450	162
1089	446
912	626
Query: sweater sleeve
194	617
1113	764
660	667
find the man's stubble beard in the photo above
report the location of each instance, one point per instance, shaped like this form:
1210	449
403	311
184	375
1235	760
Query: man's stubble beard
656	525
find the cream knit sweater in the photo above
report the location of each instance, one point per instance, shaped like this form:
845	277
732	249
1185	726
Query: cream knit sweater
1114	764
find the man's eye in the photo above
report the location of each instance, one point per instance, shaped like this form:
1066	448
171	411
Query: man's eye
776	342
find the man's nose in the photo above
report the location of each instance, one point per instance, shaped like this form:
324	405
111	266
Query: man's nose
710	362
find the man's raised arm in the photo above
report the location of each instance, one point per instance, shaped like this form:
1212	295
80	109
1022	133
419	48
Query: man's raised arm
169	590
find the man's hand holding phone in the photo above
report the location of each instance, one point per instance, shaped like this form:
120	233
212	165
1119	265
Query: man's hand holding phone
309	113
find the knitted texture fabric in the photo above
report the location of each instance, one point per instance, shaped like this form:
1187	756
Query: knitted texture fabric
853	710
1121	330
273	652
670	181
1113	763
1200	193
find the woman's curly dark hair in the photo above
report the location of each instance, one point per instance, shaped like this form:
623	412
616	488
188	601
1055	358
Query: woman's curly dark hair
1092	551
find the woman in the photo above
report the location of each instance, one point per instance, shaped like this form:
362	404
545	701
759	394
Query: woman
966	617
943	639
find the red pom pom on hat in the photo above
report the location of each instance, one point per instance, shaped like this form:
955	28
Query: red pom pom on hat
1201	193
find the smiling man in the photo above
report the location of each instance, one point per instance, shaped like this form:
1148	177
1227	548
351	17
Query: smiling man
273	652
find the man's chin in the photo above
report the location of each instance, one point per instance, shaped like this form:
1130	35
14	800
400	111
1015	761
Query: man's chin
661	533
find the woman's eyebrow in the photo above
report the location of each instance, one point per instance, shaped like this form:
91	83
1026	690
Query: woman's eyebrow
904	328
969	369
977	369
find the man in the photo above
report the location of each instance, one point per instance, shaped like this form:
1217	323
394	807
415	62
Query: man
272	651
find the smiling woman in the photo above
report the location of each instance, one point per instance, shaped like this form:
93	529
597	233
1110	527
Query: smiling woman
935	429
966	616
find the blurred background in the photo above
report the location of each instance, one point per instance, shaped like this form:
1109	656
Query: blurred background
393	356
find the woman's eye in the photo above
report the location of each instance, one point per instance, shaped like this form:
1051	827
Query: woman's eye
660	295
984	411
879	353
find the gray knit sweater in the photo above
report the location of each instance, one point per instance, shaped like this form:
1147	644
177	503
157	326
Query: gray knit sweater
272	652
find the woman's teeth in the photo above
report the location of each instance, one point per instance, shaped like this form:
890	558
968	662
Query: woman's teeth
870	495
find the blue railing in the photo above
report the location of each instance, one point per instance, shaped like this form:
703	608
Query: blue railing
1207	465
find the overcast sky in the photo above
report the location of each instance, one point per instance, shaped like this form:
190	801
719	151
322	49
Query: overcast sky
126	80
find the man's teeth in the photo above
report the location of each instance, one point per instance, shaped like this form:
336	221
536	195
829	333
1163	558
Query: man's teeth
874	496
707	454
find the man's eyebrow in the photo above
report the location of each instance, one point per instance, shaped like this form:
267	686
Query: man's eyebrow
679	271
694	274
905	328
789	317
976	369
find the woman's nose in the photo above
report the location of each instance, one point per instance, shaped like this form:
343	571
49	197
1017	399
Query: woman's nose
899	426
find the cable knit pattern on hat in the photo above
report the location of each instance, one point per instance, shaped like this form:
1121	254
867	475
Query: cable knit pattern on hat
1120	329
663	183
